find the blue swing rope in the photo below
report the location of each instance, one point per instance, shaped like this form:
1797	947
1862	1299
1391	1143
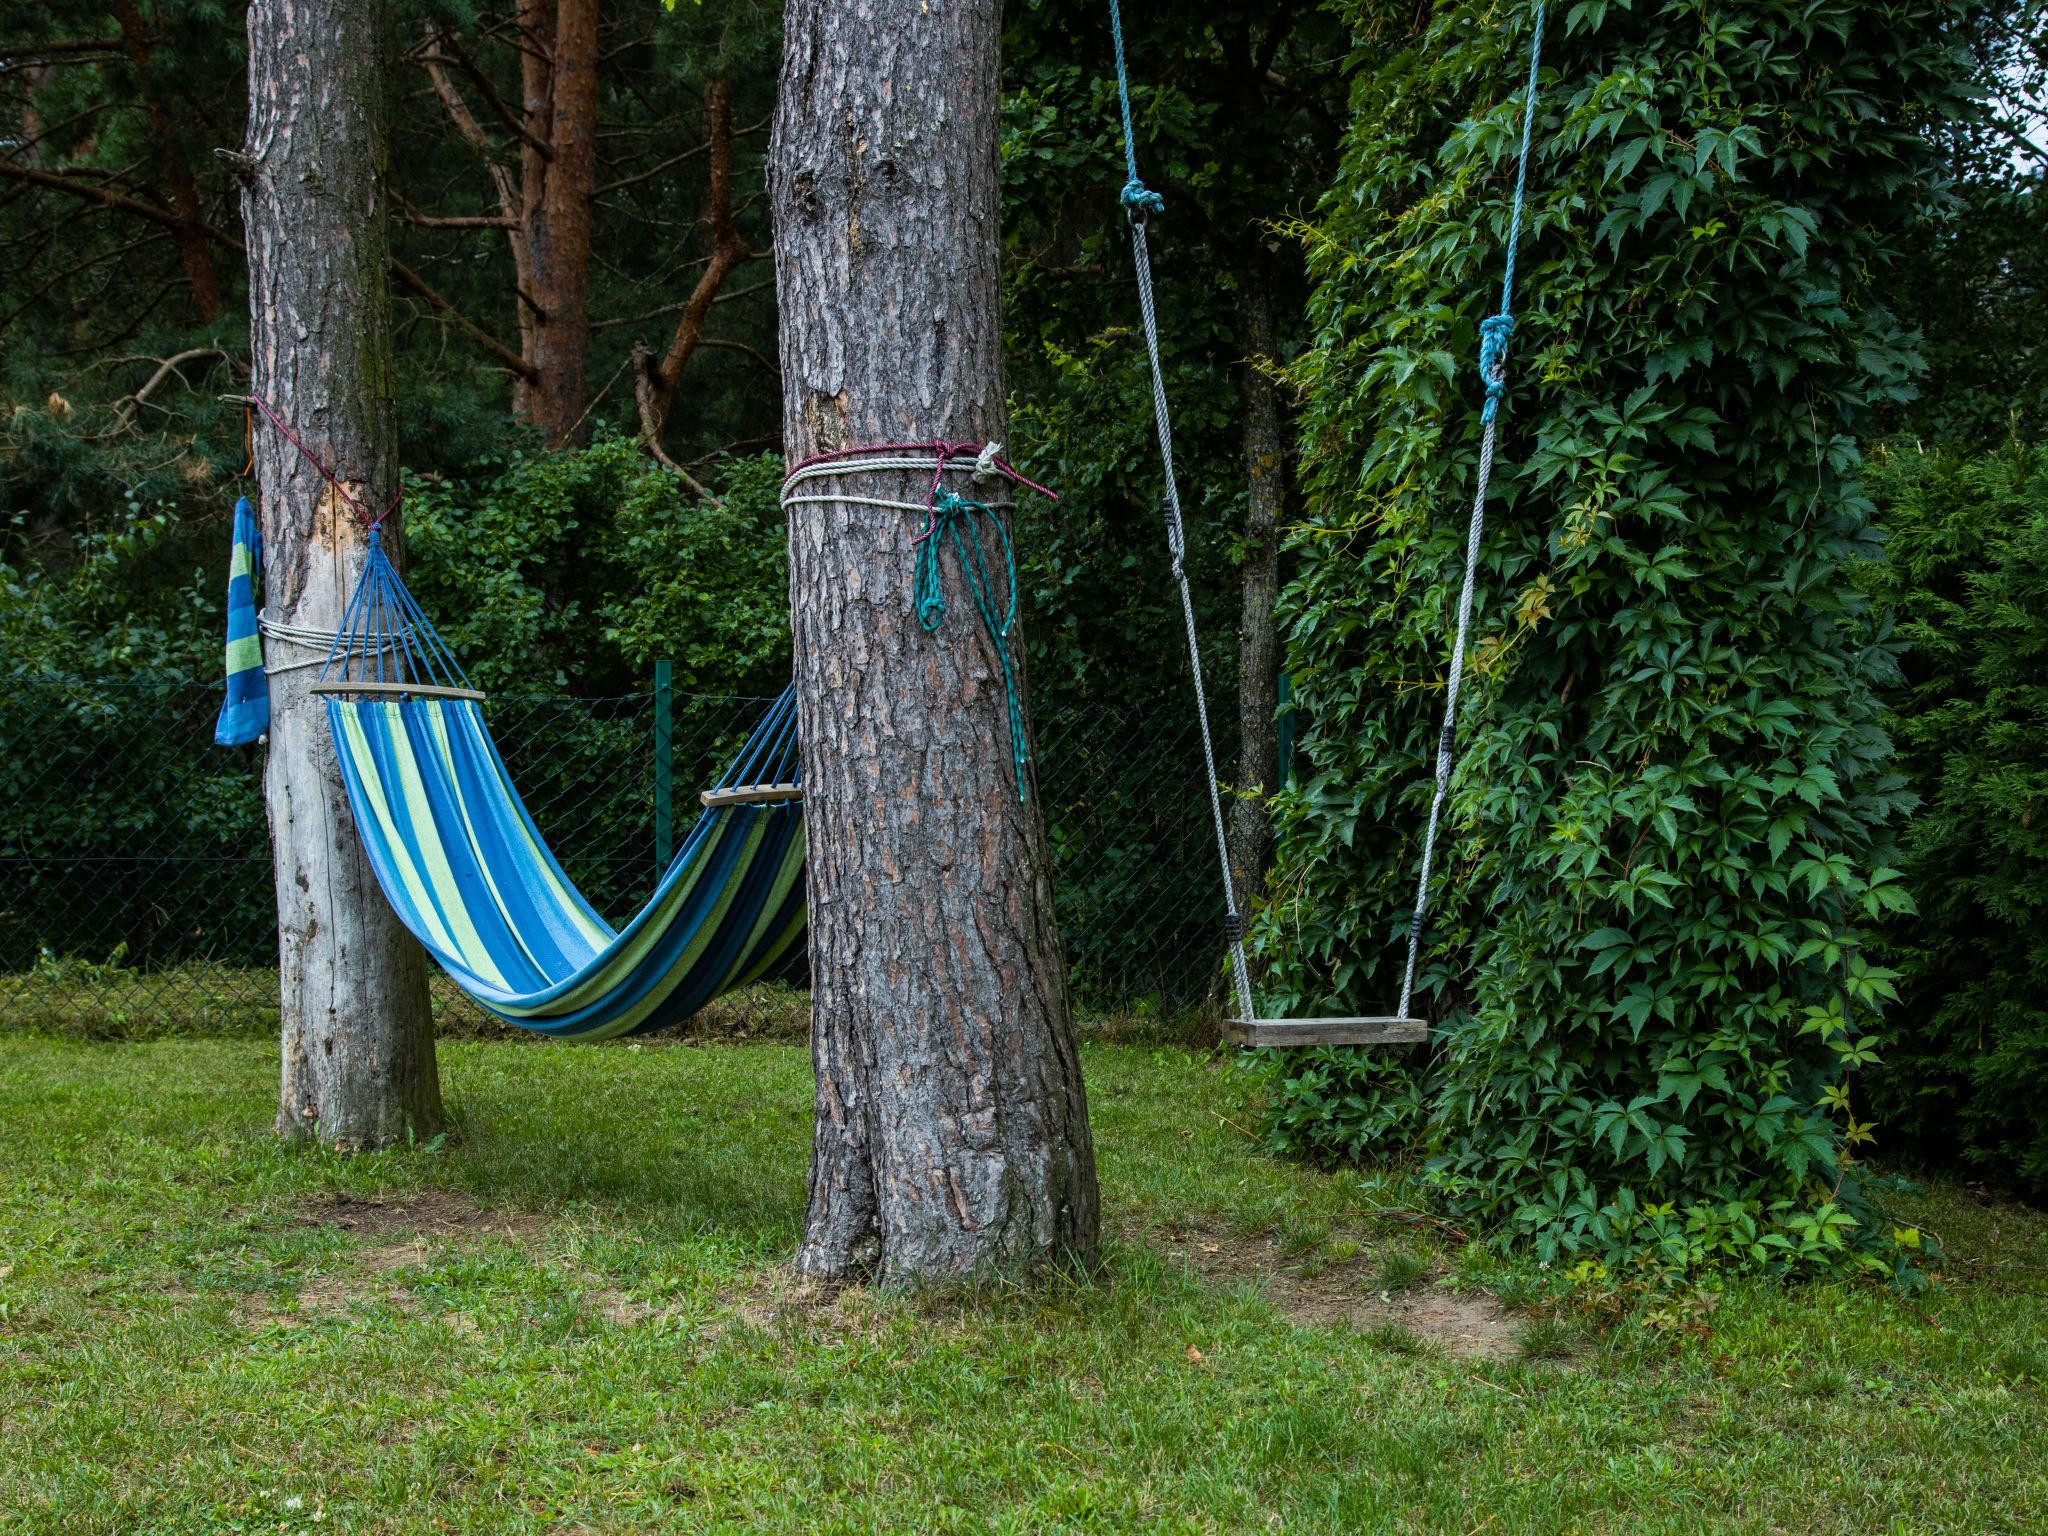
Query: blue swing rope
1494	333
1140	203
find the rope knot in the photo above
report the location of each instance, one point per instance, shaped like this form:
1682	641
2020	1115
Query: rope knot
1494	332
1140	201
985	461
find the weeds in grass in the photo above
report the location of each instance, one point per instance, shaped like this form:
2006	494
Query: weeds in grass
1395	1339
1548	1338
1401	1267
1517	1290
2020	1363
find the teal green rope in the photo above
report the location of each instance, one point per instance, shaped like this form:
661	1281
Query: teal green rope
959	519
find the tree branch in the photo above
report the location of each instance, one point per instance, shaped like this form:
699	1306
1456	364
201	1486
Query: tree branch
165	219
417	285
669	164
106	197
456	221
72	45
721	344
443	48
128	405
655	387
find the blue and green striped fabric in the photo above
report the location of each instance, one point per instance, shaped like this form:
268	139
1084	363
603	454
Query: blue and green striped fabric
465	869
245	712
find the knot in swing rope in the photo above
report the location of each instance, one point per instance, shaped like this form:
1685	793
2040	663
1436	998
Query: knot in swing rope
1494	334
1140	201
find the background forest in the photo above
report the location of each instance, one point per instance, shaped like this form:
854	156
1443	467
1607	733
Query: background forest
590	406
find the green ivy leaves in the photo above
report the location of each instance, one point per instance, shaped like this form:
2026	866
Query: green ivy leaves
1671	822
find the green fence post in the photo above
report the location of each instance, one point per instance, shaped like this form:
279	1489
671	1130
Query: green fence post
1283	731
664	766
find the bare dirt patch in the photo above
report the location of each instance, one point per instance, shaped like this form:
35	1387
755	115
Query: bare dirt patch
1337	1283
398	1234
423	1214
777	1299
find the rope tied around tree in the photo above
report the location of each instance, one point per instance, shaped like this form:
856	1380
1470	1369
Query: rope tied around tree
950	519
371	520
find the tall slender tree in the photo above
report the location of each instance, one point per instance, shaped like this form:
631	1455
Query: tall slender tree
1258	644
358	1039
952	1131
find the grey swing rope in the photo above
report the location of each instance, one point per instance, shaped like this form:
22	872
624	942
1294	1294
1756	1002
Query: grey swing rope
1139	202
1494	332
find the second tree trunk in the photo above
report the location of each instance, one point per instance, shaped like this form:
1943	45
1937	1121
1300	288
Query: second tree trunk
952	1132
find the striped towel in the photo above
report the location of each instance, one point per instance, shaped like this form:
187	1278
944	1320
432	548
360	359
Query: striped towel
245	713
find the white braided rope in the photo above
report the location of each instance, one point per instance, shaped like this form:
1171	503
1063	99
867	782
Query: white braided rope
980	467
1176	544
307	638
1447	736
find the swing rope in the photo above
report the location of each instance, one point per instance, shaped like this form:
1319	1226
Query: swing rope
1140	203
1494	333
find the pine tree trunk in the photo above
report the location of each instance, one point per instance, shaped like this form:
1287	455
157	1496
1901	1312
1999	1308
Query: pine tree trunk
358	1038
558	69
952	1131
194	248
1258	655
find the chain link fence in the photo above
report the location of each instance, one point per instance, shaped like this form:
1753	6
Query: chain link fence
135	864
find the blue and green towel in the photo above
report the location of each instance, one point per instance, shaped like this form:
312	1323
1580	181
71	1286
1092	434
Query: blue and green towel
245	713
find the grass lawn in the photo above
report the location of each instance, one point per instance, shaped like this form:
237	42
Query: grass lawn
572	1317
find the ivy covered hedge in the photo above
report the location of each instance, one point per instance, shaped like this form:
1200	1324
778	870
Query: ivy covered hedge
1964	1071
1671	826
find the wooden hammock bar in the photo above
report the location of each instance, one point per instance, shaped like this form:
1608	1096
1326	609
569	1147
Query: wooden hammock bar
752	794
416	690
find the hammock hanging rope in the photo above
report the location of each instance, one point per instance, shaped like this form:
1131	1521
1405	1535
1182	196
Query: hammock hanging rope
1140	203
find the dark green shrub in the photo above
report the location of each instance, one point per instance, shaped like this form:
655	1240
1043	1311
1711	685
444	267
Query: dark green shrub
1668	830
578	570
1964	1072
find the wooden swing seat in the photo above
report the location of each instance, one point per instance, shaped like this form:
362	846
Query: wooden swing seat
1283	1033
751	794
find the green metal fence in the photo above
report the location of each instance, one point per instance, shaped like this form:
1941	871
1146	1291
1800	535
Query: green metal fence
134	862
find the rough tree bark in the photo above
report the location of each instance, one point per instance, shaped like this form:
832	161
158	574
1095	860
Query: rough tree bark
1258	653
952	1132
558	171
358	1039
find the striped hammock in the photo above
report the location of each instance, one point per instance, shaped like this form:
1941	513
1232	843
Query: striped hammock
466	870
